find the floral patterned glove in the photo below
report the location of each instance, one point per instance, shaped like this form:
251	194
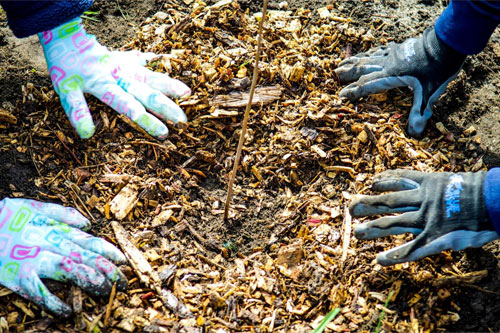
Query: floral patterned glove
78	64
42	241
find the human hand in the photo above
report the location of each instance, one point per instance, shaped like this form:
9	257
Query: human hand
42	241
78	64
425	64
446	211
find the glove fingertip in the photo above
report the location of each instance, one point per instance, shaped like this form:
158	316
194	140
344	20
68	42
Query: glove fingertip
360	232
383	260
75	219
176	88
359	209
122	282
63	311
152	125
119	258
85	128
347	93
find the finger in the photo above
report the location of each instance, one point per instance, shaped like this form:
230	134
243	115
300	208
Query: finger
362	56
422	107
456	240
154	100
133	57
77	111
50	213
394	184
160	81
398	180
96	245
126	104
349	73
63	245
391	225
398	202
34	289
65	269
418	118
374	83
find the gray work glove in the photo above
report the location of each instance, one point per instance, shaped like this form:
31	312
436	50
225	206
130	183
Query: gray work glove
446	211
425	64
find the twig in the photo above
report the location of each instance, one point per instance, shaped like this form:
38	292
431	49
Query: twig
71	186
482	289
207	243
64	144
211	262
33	156
110	304
247	114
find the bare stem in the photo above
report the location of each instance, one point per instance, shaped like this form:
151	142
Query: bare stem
247	114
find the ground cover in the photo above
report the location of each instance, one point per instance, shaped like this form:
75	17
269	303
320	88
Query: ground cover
287	256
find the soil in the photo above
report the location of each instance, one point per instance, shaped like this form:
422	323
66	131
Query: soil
472	99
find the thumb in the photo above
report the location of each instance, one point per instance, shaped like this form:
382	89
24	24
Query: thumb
35	290
78	113
418	118
410	251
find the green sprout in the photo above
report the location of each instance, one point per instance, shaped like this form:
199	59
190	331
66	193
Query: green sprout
328	318
230	245
91	15
383	311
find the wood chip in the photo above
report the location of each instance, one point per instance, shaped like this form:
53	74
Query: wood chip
263	96
124	201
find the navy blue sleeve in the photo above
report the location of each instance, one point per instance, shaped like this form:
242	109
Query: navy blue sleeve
466	25
30	17
491	192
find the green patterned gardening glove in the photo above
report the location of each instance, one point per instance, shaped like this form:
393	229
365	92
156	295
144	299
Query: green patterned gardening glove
78	64
43	241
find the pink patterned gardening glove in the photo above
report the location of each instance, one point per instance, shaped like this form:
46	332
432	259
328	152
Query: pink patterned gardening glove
43	241
78	64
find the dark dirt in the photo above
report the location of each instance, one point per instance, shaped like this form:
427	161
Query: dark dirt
472	99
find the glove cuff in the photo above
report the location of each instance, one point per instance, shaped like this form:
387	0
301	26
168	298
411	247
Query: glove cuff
473	200
73	31
441	52
492	197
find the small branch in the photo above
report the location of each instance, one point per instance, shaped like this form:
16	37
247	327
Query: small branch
247	114
110	305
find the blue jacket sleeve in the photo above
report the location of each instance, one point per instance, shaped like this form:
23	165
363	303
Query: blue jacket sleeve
491	192
30	17
466	25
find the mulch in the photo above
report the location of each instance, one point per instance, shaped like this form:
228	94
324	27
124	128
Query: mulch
287	255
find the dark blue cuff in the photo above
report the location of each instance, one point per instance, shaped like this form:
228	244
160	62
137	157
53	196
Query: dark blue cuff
27	18
491	192
466	25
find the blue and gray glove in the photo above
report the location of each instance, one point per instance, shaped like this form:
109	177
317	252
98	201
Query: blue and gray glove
425	64
446	211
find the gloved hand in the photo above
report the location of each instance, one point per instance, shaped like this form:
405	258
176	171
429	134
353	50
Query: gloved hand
425	64
41	240
446	211
78	64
